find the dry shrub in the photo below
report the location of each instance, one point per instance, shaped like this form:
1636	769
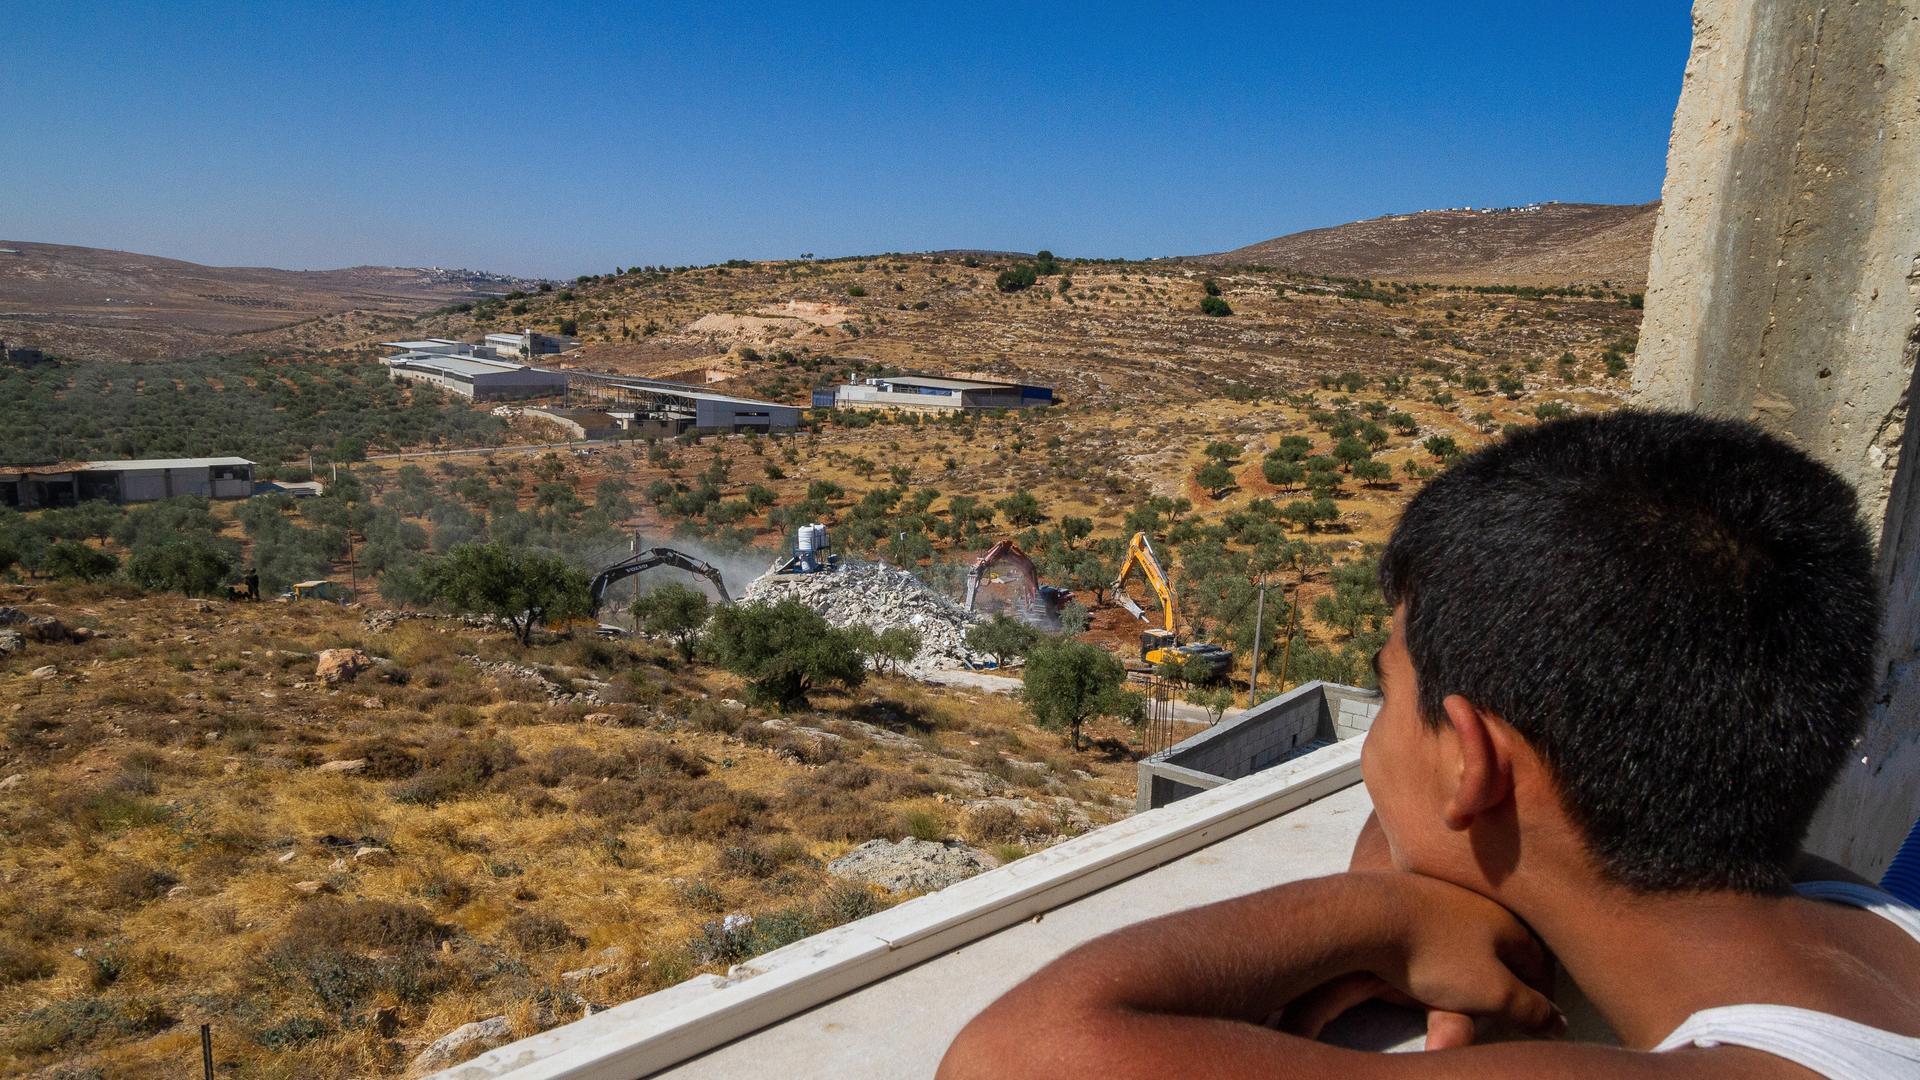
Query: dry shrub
136	696
833	813
662	758
710	716
347	952
457	715
517	714
452	767
73	1023
995	824
754	859
706	809
534	932
632	688
20	962
848	776
618	802
135	884
387	758
576	762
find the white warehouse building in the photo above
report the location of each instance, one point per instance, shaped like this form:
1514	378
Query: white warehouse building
477	377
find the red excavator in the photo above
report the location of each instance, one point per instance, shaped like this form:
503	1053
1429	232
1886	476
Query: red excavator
1042	600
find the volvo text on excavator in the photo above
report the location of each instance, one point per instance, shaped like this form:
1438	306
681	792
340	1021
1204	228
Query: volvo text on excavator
1159	645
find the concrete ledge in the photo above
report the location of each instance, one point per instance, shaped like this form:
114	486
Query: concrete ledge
664	1029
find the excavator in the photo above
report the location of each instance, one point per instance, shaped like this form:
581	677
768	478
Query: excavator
645	560
1034	597
1159	645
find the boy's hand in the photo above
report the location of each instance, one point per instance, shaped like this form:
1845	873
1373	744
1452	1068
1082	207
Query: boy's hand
1457	955
1459	952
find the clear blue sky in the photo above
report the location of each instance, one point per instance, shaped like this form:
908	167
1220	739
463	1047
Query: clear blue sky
564	138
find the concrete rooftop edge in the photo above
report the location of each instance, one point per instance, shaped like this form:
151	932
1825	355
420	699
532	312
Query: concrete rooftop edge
664	1029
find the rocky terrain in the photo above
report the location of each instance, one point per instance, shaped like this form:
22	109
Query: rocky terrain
365	845
97	303
1544	244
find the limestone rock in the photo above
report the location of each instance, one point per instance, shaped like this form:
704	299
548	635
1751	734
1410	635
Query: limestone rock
341	665
311	888
11	782
12	641
345	765
462	1042
910	864
46	671
373	856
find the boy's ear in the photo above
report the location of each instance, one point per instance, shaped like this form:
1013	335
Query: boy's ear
1485	777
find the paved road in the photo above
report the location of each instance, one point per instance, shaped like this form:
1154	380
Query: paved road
1002	684
575	444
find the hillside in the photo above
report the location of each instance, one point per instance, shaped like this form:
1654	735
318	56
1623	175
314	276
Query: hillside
99	303
1097	331
1542	244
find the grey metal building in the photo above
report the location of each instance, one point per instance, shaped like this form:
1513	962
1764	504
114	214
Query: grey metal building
140	480
656	406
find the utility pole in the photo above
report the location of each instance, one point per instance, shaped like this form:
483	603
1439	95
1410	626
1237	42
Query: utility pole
1286	651
1259	615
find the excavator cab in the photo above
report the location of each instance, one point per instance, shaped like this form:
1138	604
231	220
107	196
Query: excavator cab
1157	645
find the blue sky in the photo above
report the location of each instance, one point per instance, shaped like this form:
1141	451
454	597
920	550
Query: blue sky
562	138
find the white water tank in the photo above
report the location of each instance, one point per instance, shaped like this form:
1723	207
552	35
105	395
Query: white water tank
812	538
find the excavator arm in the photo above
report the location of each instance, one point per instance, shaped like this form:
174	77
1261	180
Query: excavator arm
1140	554
1004	551
647	560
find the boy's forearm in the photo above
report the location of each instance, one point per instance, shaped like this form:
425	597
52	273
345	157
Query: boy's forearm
1240	960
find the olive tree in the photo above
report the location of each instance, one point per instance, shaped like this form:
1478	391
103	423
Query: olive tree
1069	682
522	588
783	650
673	611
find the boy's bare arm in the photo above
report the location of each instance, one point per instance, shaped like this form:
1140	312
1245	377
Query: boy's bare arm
1206	993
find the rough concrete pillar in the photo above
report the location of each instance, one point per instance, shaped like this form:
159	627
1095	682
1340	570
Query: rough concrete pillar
1785	288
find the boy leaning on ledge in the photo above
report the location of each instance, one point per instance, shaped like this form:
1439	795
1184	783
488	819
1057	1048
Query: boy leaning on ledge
1629	655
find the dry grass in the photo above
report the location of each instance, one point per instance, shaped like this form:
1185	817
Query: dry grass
167	811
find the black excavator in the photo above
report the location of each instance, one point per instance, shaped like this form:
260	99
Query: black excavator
647	559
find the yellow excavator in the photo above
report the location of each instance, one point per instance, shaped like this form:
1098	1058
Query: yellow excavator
1159	645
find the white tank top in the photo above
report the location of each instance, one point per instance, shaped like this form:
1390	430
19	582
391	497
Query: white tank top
1833	1047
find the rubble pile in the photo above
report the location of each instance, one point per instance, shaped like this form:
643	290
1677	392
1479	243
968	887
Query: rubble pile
882	597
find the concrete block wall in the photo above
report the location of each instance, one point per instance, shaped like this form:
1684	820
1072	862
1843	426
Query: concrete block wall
1306	717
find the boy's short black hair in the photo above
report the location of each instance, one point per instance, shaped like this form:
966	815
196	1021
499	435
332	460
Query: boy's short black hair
1678	613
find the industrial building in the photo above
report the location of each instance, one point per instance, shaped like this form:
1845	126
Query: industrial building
33	487
658	407
932	394
480	378
20	355
528	344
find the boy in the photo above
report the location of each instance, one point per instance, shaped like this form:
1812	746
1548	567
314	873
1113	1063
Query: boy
1629	654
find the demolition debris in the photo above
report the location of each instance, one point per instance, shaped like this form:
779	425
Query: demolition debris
882	597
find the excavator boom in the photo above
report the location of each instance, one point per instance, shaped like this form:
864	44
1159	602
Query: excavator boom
1004	551
647	560
1140	554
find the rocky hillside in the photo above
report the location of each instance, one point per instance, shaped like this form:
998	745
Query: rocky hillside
1542	244
98	303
